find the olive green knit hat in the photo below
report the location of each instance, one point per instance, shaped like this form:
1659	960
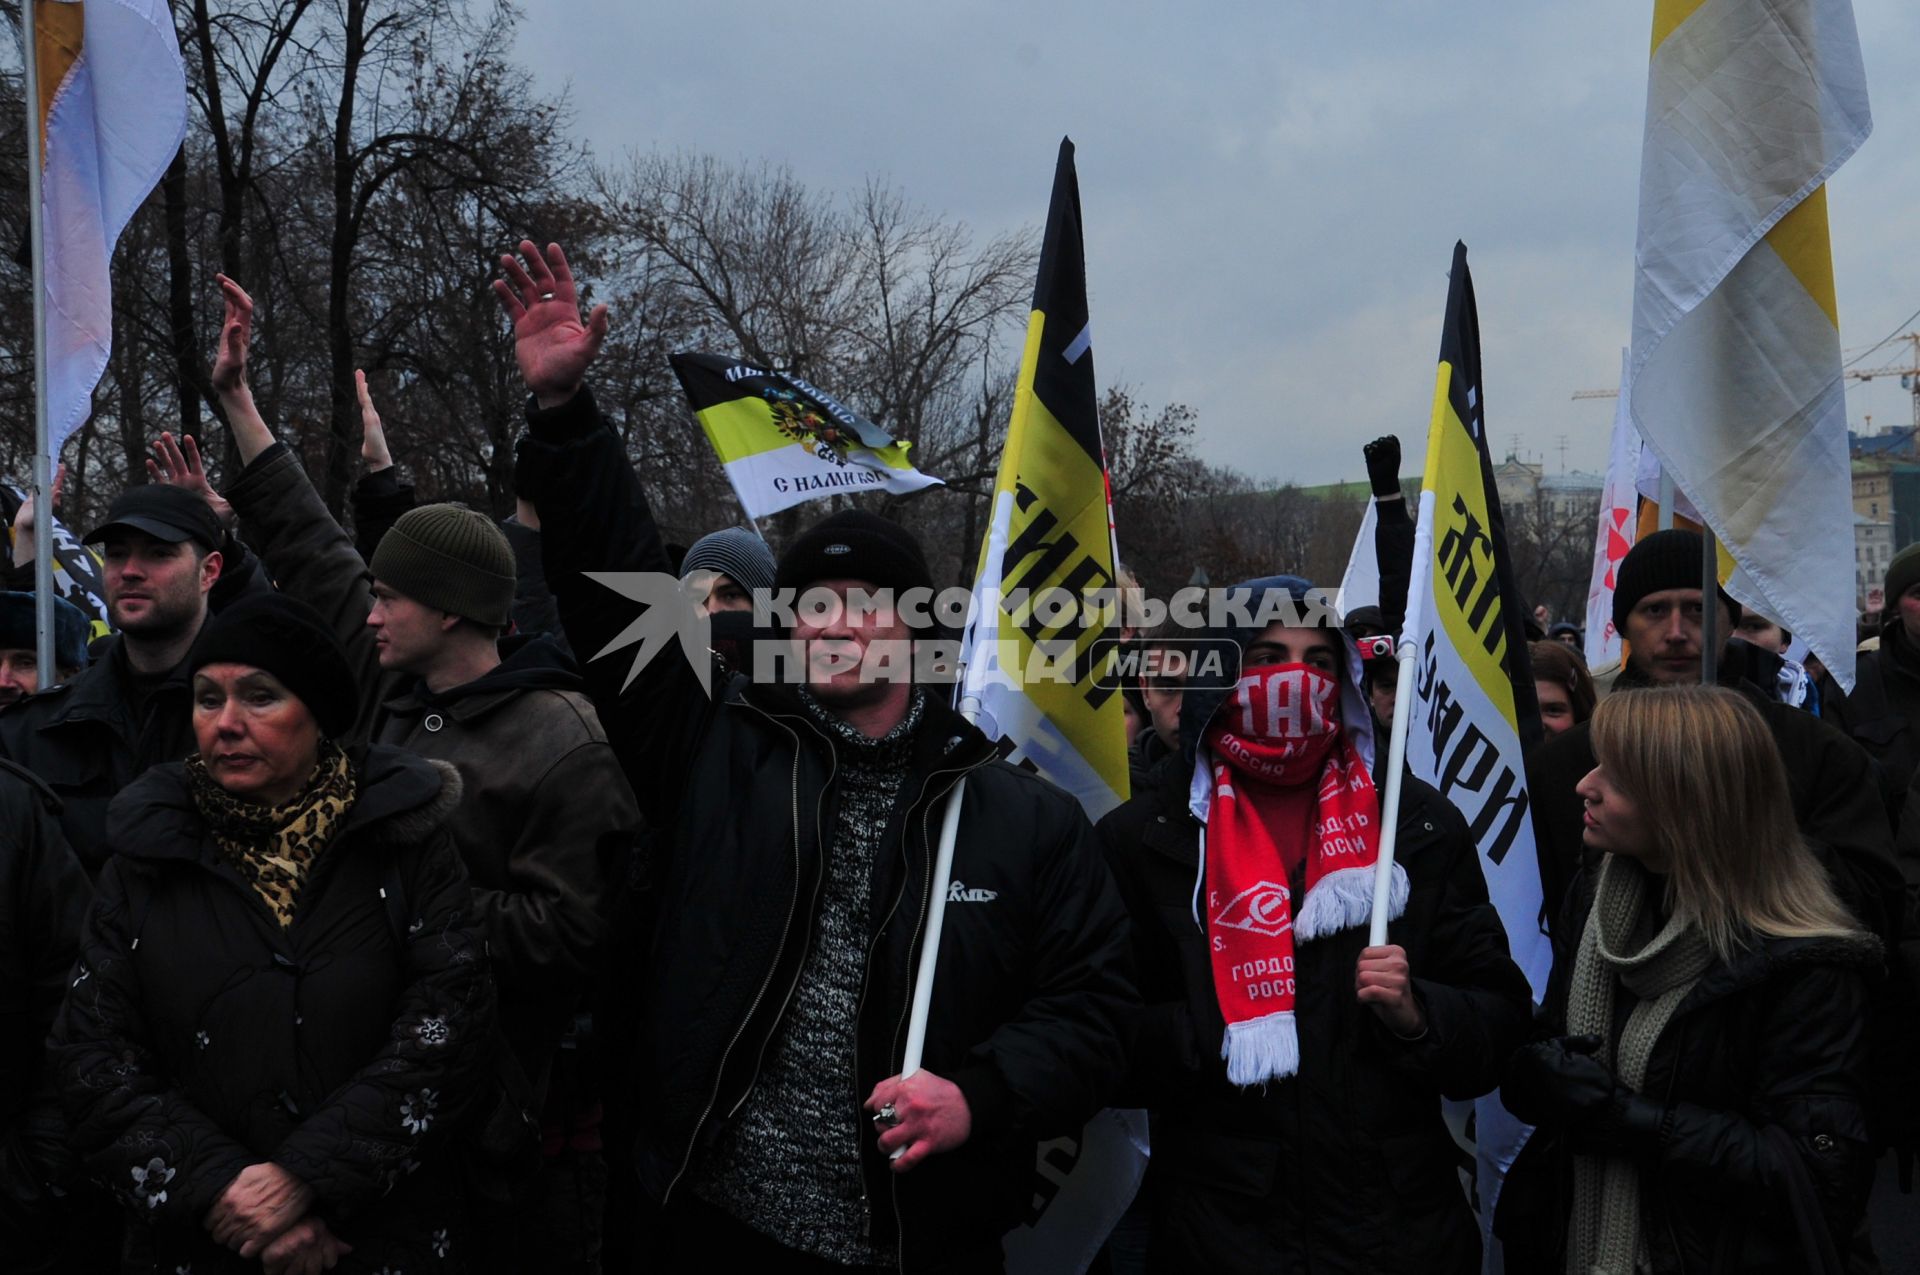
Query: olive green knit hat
451	559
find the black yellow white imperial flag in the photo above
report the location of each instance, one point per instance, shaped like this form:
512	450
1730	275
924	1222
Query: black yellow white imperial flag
784	441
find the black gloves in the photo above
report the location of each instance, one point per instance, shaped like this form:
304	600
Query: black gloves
1560	1084
1383	465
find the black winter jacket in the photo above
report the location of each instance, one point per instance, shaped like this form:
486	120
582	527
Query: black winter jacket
1764	1154
200	1037
1031	984
1347	1166
43	901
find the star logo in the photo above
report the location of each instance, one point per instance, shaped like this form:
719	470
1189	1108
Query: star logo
675	612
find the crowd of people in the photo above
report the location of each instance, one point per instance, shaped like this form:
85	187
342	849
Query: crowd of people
365	906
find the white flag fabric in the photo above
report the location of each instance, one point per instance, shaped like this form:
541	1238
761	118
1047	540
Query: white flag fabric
1360	586
1614	534
115	109
1736	378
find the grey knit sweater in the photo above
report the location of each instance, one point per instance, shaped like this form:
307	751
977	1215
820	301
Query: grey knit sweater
789	1165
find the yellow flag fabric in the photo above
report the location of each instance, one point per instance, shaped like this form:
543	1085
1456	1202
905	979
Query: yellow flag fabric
1032	673
1736	380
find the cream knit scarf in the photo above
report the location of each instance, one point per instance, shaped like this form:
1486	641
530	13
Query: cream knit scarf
1604	1237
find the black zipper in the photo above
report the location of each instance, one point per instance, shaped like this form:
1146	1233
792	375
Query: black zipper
693	1139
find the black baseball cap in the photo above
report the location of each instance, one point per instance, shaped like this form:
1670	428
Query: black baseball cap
164	512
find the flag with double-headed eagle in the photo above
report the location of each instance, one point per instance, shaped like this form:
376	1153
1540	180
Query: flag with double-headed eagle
1736	382
112	111
784	441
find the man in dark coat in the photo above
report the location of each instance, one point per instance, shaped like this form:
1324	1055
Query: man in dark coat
798	825
43	900
88	738
1883	712
1346	1165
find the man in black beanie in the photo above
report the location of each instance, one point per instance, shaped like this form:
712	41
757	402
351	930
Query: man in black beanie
798	820
1657	609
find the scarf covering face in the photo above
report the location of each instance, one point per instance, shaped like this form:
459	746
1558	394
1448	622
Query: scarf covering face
273	847
1289	787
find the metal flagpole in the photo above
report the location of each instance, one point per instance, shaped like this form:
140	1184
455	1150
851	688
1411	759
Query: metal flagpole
1709	607
1664	521
42	442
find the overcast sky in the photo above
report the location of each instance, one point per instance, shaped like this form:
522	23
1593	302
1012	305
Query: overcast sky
1271	190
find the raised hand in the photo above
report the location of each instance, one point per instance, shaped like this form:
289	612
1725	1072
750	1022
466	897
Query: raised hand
236	333
373	435
178	464
553	346
23	522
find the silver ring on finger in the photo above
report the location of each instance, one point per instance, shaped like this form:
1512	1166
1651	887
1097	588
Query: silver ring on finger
546	296
888	1115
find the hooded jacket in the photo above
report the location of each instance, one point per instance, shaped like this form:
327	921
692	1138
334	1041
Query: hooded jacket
1763	1159
199	1036
547	821
1030	985
1348	1165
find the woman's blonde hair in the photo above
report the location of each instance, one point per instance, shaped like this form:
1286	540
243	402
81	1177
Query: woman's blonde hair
1703	768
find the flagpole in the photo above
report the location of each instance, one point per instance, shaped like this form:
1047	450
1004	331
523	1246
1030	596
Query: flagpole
42	441
1663	520
1709	606
1407	652
942	877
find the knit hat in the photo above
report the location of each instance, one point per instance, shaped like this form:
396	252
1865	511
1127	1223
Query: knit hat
287	638
20	632
1902	574
451	559
855	545
1668	559
735	553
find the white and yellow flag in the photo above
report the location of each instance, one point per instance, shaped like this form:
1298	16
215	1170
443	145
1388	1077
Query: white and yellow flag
1736	380
112	109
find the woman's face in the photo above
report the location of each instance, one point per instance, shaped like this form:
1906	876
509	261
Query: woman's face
1614	822
258	740
1556	707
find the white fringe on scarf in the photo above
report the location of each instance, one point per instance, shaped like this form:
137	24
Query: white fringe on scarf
1341	900
1261	1049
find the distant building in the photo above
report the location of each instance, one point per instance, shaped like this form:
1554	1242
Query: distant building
1872	551
1873	489
1572	495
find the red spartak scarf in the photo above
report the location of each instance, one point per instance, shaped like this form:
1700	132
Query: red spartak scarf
1288	785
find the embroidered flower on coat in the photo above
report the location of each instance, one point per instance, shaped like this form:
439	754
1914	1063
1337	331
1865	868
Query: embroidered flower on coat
441	1244
201	1039
150	1183
416	1110
432	1031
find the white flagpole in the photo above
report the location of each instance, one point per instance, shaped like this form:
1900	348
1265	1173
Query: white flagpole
936	909
1407	652
42	443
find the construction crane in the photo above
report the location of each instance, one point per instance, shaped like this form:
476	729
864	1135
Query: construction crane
1908	372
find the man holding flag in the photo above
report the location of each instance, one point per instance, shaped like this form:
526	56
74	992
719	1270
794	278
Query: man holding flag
798	820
